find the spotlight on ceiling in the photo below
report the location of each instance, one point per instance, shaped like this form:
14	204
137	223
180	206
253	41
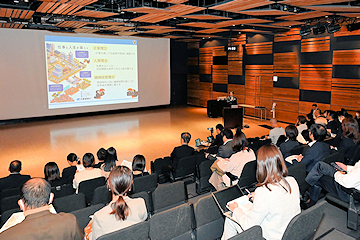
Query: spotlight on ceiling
353	27
333	27
305	30
319	29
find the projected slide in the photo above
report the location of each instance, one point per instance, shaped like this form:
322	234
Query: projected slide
90	71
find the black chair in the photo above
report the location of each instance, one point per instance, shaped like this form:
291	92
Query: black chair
356	156
299	149
169	195
88	187
212	149
303	226
248	174
63	190
209	220
253	233
7	214
176	223
101	195
334	157
280	140
161	167
139	231
202	175
185	169
145	183
147	198
200	158
70	203
9	203
9	193
83	215
298	171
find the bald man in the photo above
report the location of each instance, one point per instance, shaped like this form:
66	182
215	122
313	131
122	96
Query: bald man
276	131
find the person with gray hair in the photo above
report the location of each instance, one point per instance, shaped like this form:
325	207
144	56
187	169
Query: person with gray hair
276	131
39	222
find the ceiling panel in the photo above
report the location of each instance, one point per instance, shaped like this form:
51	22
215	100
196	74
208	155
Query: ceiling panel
287	23
16	13
240	5
265	12
301	3
11	25
71	24
306	15
147	10
241	21
94	14
174	1
334	8
198	25
205	17
215	30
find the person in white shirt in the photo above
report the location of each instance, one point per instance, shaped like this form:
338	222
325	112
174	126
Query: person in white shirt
275	202
276	131
89	173
301	126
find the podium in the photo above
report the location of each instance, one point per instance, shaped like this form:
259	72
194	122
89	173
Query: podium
233	117
215	108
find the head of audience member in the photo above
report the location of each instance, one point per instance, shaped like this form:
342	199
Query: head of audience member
219	128
240	142
317	132
231	93
138	163
120	181
271	168
331	116
350	129
321	120
101	153
300	120
326	112
357	115
51	171
185	138
274	123
314	106
317	113
35	193
110	159
15	166
342	114
291	132
227	134
73	159
88	160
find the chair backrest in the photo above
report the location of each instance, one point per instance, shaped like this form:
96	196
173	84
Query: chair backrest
280	140
9	193
9	203
101	195
147	198
139	231
298	171
204	169
145	183
88	187
175	223
356	155
168	195
159	164
200	157
209	220
299	149
334	157
69	203
248	174
63	190
7	214
185	167
253	233
83	215
304	225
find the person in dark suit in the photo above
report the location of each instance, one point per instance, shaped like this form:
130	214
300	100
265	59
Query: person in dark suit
15	179
225	150
318	149
334	128
291	133
313	110
182	151
218	138
39	222
231	99
350	137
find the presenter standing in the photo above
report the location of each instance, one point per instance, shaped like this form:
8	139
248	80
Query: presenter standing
231	99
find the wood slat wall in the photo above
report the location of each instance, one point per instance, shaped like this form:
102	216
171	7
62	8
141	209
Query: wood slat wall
346	57
316	77
259	48
315	44
292	35
286	64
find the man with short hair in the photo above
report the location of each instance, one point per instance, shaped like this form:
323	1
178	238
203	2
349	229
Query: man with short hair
182	151
39	222
318	149
313	110
15	179
225	150
276	131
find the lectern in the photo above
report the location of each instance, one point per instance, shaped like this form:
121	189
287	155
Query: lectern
233	117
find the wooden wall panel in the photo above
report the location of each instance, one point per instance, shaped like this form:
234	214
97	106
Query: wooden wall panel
305	107
235	68
346	57
286	64
193	61
286	94
345	98
291	35
220	74
193	78
219	51
205	60
344	32
259	48
286	116
316	77
199	93
315	44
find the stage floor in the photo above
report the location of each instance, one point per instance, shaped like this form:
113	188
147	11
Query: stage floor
152	133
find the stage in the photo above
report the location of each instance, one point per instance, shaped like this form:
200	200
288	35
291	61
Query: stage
152	133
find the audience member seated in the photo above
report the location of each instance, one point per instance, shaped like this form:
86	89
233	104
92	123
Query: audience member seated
275	132
275	202
350	137
225	150
313	110
75	166
333	127
52	174
234	165
111	161
357	117
301	127
326	113
342	114
218	138
182	151
122	211
15	179
138	166
101	153
89	173
317	148
291	133
321	120
231	99
309	120
324	176
39	222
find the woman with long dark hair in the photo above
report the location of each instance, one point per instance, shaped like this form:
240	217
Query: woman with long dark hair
275	202
109	162
122	211
52	174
